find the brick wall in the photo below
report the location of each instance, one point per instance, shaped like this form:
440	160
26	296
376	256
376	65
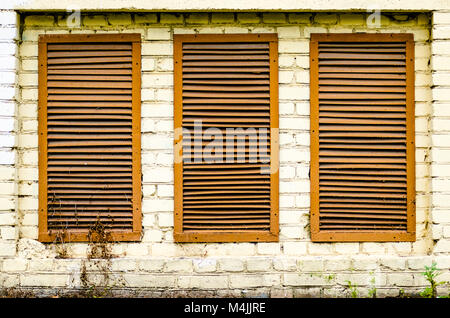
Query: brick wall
294	266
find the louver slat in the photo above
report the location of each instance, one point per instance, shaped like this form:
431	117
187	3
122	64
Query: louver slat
362	137
226	82
89	123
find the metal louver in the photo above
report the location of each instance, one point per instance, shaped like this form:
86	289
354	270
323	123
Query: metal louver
226	95
362	137
89	135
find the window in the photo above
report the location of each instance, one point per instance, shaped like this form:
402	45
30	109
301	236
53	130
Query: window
89	136
362	137
226	137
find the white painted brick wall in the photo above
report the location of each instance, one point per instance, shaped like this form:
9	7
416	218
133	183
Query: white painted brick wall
440	150
9	63
294	263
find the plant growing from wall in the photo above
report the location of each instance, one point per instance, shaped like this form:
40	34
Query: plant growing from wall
60	235
372	290
99	254
353	290
431	272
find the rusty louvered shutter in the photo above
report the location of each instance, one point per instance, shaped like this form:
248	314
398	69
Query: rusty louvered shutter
89	136
223	84
362	137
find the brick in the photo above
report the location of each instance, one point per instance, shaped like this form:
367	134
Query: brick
309	264
150	281
137	249
248	18
285	264
293	46
158	205
9	33
287	108
372	248
14	265
268	248
30	219
208	282
441	17
303	280
442	246
325	18
290	217
123	265
165	95
231	265
205	265
197	18
168	18
157	48
274	17
158	34
418	262
252	281
304	18
259	265
95	20
352	19
295	248
338	264
165	219
294	186
347	248
119	18
357	279
222	17
43	280
151	265
441	78
179	265
39	20
400	279
41	265
8	17
320	248
288	32
152	236
291	232
8	233
146	18
286	77
7	140
7	77
393	263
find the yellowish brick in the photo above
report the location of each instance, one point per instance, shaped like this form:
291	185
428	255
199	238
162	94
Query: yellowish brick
274	18
352	19
248	18
119	19
304	18
39	20
171	18
222	17
325	18
95	20
146	18
197	18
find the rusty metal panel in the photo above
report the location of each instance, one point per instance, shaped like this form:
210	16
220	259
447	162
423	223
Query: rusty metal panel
362	137
223	84
89	124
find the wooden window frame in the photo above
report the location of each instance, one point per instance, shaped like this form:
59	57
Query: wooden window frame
135	39
213	236
363	236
